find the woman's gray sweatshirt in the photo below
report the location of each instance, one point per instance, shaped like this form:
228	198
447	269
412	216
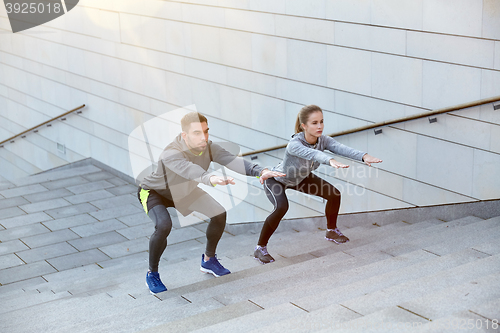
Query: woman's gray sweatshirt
302	157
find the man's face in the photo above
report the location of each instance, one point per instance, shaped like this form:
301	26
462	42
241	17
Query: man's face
197	136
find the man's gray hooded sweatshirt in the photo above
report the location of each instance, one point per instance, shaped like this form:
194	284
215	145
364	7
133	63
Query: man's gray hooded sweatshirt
301	157
180	170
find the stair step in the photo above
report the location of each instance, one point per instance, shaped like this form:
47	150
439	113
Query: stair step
257	320
364	306
324	275
56	175
219	315
405	313
406	291
248	280
323	278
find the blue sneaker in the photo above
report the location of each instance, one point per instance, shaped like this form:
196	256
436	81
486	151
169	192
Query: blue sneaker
213	266
154	283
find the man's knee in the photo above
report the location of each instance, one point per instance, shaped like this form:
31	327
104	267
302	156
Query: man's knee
220	218
164	227
161	218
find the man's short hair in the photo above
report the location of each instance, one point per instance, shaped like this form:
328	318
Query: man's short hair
192	117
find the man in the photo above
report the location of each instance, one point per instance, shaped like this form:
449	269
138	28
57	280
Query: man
181	166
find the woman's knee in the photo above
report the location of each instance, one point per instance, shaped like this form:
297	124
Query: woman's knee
333	195
281	209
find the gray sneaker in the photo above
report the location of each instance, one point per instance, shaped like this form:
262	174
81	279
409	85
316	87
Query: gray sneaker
262	255
334	235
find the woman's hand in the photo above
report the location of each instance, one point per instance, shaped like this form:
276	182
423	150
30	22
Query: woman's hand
265	174
216	180
368	159
337	165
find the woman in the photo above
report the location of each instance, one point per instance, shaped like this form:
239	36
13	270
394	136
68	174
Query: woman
304	153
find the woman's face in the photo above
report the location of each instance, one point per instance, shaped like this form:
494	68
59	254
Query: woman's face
314	126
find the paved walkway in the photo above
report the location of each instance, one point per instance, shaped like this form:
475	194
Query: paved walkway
60	220
73	257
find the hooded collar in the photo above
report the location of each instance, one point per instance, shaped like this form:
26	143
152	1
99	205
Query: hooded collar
301	137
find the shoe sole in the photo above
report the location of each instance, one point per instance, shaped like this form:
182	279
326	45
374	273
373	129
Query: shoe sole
152	293
262	262
335	241
208	271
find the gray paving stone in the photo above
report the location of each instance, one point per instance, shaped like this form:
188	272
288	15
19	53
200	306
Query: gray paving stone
135	219
50	238
20	286
23	190
99	176
31	299
55	175
69	222
23	231
90	187
118	181
71	210
53	194
72	274
12	246
10	212
184	234
125	189
77	259
89	196
96	241
138	231
44	205
13	202
98	227
46	252
115	212
2	197
57	184
115	201
126	248
25	220
25	272
4	185
128	261
10	260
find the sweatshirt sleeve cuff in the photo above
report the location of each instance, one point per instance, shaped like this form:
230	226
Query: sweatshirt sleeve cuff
205	179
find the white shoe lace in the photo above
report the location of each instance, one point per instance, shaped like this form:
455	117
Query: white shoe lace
337	231
263	250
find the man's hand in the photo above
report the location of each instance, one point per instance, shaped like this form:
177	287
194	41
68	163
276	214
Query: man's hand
337	165
370	159
266	173
216	180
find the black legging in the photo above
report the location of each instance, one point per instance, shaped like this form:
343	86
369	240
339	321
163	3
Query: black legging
312	184
163	225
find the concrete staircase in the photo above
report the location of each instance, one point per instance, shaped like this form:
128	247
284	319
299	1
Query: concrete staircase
73	257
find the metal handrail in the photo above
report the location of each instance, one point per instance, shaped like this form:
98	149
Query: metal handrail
394	121
40	125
